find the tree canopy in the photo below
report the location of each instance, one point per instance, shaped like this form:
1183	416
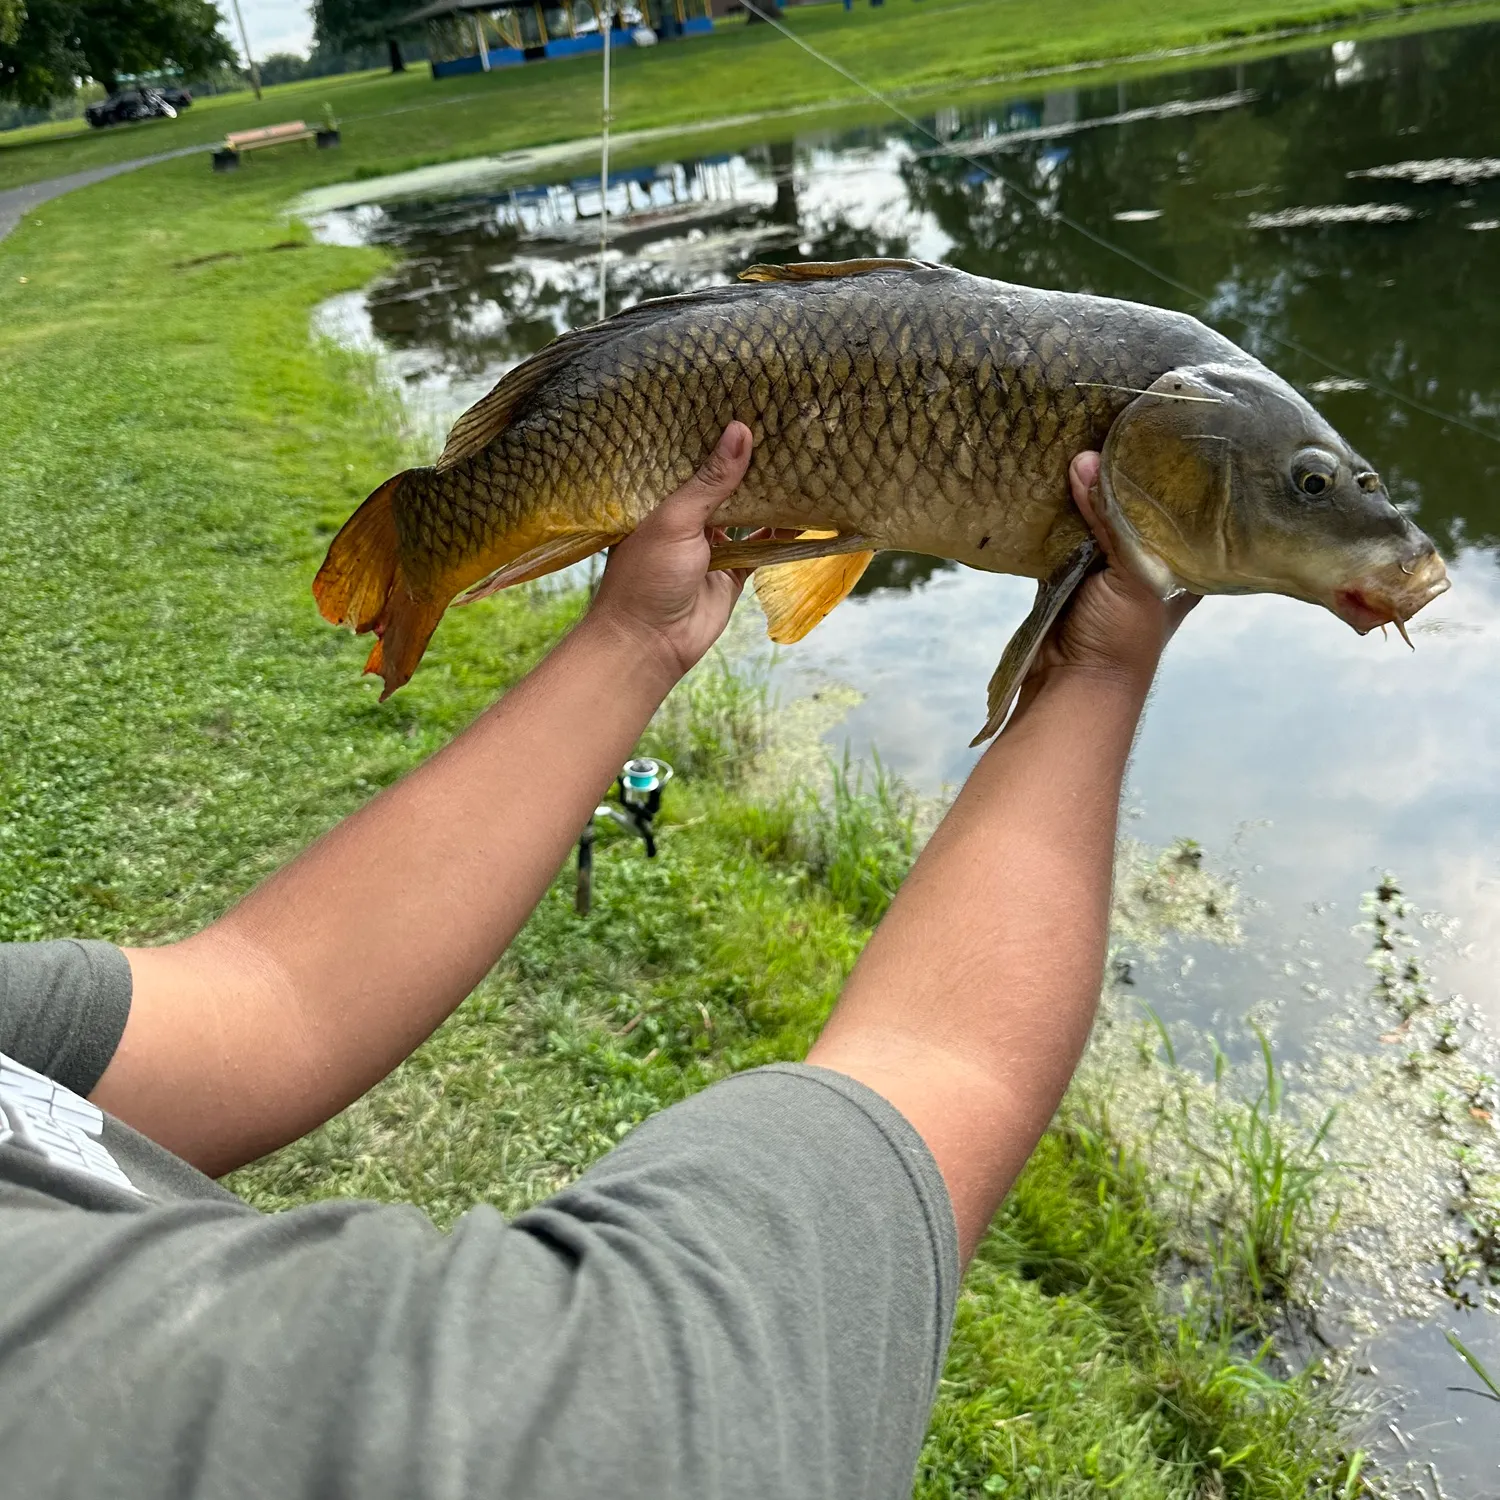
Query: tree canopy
339	24
47	45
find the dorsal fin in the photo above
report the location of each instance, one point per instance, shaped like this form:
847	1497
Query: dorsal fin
821	270
493	413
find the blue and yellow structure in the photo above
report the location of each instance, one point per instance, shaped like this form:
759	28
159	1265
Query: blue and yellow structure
475	36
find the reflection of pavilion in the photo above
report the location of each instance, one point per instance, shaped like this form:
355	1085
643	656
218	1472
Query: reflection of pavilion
473	36
640	199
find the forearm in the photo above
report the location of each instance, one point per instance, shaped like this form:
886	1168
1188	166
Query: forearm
407	904
324	978
971	1004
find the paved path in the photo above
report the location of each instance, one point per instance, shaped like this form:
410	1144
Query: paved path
16	203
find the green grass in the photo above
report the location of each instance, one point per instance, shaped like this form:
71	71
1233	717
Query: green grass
1269	1191
408	119
174	456
1472	1360
1067	1378
856	839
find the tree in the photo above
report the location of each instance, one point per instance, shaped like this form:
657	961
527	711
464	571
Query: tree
59	41
342	24
282	67
38	56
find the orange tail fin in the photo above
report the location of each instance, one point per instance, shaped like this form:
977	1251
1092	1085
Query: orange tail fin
361	585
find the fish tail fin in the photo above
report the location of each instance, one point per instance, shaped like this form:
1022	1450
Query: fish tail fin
361	585
404	632
355	582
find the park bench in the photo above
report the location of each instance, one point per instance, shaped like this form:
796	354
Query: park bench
227	158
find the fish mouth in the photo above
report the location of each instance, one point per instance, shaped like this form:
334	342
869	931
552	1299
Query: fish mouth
1392	597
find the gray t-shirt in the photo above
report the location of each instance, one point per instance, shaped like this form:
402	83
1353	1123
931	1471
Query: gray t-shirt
750	1296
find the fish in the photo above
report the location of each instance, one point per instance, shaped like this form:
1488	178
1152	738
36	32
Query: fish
894	404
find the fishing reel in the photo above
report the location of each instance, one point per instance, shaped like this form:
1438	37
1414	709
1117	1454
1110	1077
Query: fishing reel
638	790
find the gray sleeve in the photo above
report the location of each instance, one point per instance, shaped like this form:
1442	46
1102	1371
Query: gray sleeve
749	1297
63	1008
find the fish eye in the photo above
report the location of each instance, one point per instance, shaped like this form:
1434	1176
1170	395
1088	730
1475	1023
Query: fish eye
1315	472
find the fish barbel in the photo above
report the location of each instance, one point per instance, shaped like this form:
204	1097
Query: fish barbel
893	404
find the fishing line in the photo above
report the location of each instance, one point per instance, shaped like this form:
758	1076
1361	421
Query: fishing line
1135	390
1058	216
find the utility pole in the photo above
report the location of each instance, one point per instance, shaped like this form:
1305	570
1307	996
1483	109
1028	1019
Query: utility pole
250	61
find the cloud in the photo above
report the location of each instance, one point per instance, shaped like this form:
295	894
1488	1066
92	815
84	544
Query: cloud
273	25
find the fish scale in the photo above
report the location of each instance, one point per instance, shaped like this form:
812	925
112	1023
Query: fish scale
893	405
901	405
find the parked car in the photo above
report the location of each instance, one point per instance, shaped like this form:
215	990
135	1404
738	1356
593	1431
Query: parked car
133	104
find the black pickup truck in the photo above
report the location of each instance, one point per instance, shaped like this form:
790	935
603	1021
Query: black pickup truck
138	104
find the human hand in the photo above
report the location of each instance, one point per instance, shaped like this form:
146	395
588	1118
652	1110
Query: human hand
1114	626
656	585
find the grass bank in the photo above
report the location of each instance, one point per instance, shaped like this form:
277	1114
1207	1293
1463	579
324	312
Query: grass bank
174	455
409	120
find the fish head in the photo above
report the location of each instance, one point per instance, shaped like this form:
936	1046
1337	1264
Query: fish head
1222	479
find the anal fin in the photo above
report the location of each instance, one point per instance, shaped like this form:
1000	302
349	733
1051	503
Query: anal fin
1020	652
797	595
549	557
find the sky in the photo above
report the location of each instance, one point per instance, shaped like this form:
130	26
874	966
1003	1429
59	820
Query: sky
274	25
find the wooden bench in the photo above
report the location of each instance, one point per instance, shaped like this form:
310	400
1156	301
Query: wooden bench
227	158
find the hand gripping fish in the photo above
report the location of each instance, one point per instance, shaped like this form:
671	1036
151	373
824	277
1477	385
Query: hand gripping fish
894	404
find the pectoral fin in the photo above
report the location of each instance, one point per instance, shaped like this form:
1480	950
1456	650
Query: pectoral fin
1051	595
796	595
770	554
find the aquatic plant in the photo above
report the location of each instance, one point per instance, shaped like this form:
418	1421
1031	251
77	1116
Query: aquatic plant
1162	893
1400	981
1248	1186
1277	1199
1441	1101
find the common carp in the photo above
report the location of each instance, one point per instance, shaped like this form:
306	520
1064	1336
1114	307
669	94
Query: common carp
894	404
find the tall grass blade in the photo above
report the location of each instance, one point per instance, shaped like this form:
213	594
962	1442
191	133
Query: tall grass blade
1161	1026
1474	1363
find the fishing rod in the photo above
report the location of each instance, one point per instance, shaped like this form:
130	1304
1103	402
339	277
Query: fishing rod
1059	217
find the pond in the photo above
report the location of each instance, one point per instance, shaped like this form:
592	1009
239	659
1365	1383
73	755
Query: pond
1339	209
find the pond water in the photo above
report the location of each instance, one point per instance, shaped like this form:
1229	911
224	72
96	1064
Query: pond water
1339	208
